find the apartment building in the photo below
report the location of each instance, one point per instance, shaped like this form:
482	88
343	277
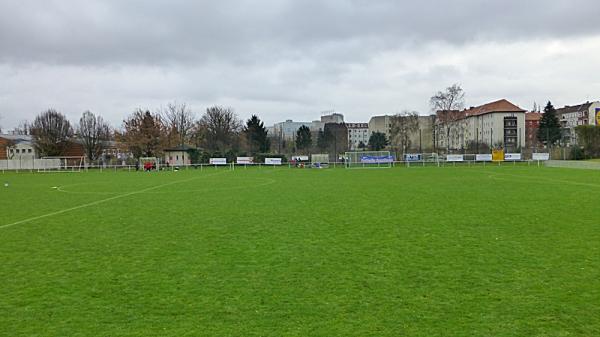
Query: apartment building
496	124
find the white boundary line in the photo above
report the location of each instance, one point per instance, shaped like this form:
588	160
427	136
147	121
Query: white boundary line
498	176
97	202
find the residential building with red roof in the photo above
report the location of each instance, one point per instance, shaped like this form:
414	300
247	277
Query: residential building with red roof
496	124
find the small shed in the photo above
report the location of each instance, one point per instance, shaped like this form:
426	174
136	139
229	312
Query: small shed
178	156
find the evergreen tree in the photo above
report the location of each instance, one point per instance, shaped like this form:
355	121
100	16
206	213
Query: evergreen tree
323	139
549	131
303	138
256	135
377	141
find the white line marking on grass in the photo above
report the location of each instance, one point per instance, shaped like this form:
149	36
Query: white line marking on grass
97	202
498	176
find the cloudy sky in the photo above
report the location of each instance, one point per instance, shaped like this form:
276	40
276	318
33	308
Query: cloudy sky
292	59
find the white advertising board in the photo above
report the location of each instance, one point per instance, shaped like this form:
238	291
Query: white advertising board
300	158
484	157
245	160
541	156
455	157
413	157
512	156
272	161
218	161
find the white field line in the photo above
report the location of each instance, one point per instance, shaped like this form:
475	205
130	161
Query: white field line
101	201
498	176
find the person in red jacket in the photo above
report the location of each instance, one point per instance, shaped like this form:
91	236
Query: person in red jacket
148	166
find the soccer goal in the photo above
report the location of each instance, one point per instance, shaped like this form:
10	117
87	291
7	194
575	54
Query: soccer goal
320	160
149	163
368	159
61	164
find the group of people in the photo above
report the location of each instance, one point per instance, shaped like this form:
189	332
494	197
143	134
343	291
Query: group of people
147	166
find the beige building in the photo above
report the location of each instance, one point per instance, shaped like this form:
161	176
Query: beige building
332	117
421	140
178	156
381	124
495	124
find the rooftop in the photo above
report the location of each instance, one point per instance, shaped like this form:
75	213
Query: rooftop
533	116
575	108
17	138
502	105
180	148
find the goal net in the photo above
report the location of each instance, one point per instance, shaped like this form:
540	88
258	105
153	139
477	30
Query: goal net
61	164
149	163
319	160
368	159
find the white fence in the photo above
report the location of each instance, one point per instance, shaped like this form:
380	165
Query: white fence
29	164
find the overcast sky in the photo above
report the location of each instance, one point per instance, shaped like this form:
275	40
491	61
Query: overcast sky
292	59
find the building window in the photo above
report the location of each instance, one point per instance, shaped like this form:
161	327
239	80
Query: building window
510	131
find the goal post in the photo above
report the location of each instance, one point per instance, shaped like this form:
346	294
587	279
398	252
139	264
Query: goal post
61	164
153	161
319	160
368	159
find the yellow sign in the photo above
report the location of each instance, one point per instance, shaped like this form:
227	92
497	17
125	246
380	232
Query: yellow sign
498	155
597	116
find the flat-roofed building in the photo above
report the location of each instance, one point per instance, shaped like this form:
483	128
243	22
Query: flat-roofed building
358	134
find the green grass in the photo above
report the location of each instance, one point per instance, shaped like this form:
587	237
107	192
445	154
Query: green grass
495	251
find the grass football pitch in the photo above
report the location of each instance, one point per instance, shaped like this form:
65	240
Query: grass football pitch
452	251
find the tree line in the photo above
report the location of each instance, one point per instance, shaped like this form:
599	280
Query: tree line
220	132
146	134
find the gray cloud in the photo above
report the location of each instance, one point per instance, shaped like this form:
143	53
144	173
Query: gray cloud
162	32
289	58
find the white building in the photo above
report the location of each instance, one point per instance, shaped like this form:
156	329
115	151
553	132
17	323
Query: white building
317	126
17	147
496	124
287	130
357	133
572	116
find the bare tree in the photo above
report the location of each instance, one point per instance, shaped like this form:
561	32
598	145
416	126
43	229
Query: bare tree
24	128
447	105
94	132
143	133
404	125
51	131
179	120
221	128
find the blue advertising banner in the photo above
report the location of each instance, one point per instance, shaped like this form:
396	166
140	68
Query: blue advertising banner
376	159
